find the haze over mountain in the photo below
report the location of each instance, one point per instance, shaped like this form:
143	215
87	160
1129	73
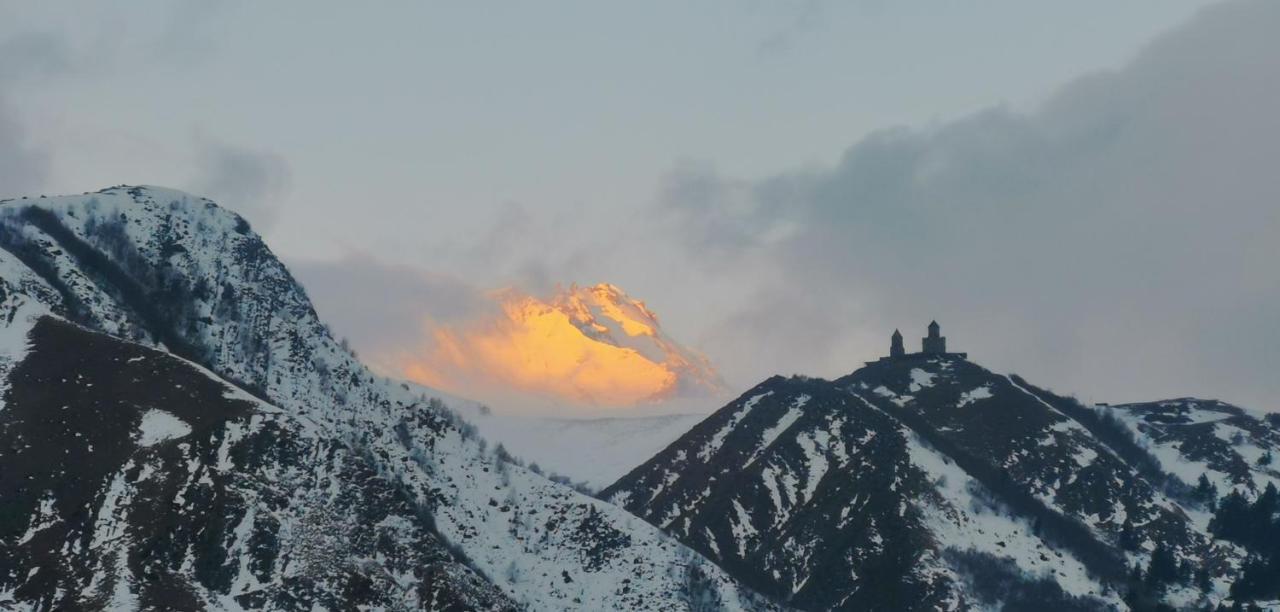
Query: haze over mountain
581	349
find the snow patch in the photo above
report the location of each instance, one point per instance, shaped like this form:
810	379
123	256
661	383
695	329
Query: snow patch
771	435
900	400
158	426
713	445
743	531
920	379
969	397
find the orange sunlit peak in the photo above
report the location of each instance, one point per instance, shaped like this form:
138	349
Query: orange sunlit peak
588	346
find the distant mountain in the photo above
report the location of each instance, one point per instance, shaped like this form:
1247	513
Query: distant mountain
592	347
1190	438
605	313
928	482
180	431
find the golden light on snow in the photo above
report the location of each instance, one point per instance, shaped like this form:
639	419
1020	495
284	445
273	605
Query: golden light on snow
590	346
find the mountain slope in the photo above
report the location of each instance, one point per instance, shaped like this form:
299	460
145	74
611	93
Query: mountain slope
802	491
177	273
992	490
1192	437
133	479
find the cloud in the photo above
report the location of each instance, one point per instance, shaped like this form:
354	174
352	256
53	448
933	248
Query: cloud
98	45
799	18
29	54
248	181
576	349
24	58
24	165
1120	240
384	306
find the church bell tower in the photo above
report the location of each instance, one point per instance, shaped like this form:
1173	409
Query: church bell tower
934	343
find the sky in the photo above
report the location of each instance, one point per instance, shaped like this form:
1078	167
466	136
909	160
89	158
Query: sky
1081	193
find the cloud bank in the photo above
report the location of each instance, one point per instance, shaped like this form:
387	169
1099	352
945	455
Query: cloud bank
1119	241
1122	240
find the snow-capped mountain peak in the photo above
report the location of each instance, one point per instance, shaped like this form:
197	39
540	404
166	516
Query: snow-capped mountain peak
175	280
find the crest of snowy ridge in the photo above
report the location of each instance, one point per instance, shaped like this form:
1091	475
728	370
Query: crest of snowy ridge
898	484
214	294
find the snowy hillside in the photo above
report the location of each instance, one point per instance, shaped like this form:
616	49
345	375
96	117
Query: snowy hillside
176	273
179	430
200	496
928	482
1233	448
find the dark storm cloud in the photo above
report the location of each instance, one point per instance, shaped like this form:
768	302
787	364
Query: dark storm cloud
1122	240
247	181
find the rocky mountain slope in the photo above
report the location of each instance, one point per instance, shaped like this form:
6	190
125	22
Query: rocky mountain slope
133	479
929	482
183	430
1231	447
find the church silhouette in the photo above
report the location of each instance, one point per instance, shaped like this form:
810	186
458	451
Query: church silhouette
932	345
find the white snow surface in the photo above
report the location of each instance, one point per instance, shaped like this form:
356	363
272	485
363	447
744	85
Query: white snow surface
920	379
158	426
969	397
1168	451
14	343
24	298
963	521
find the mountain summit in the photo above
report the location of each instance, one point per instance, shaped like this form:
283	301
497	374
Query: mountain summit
924	481
582	346
180	431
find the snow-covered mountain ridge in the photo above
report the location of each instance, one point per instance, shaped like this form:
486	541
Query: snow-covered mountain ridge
157	268
927	482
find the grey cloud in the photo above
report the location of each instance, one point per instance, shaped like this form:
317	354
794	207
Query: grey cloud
803	16
95	45
1120	241
382	306
24	162
29	54
247	181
